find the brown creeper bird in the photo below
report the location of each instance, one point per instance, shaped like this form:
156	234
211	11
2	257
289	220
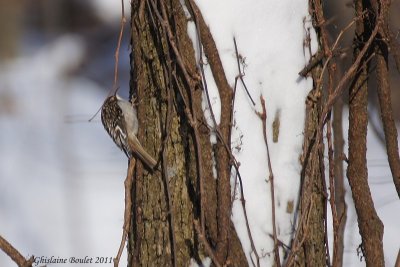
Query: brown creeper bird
120	121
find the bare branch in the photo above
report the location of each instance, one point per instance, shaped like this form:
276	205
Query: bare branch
263	117
241	74
121	32
223	163
14	254
384	95
128	209
371	227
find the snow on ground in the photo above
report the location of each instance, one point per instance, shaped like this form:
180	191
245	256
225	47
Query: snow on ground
270	36
61	178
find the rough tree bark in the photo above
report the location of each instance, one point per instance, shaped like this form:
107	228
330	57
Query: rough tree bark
167	203
312	212
309	243
370	226
384	93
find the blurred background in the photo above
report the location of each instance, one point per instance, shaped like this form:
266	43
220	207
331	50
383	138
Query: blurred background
61	177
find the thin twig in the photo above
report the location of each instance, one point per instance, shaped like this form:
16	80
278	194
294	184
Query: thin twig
297	242
128	209
123	21
347	77
314	61
332	51
129	178
263	117
115	87
230	136
243	201
240	75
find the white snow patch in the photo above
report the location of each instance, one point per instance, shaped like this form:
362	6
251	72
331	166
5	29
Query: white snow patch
270	37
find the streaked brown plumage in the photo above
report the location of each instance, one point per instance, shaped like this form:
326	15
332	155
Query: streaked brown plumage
120	121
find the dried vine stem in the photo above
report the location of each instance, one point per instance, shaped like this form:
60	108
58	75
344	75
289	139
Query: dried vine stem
190	113
223	163
297	242
205	87
14	254
121	32
128	209
168	122
115	87
319	15
199	25
189	109
236	165
216	129
263	117
350	74
320	19
129	178
333	52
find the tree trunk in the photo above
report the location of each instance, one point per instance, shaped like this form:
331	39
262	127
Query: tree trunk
173	223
